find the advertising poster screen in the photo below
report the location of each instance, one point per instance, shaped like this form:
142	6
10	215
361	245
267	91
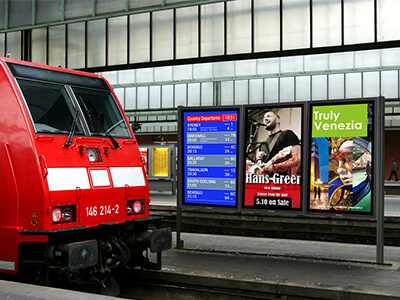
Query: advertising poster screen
341	158
273	151
210	141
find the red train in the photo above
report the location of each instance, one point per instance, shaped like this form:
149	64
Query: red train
74	195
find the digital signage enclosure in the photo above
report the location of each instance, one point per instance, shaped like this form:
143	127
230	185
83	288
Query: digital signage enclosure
210	144
273	173
341	158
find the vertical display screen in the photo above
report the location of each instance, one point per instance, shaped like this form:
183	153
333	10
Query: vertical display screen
210	141
341	158
273	158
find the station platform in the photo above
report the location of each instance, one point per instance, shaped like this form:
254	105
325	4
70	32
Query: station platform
230	267
19	291
247	268
237	267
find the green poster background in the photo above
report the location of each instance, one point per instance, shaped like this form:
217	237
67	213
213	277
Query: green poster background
340	120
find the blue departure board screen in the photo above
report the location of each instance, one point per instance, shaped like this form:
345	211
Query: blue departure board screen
210	157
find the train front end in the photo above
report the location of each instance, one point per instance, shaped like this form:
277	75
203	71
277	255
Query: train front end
87	210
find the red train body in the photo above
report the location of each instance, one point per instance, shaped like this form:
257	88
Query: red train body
74	194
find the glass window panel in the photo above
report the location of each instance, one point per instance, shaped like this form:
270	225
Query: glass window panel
155	97
187	38
271	90
268	66
2	44
340	61
126	77
327	23
76	45
57	45
96	43
163	74
390	84
336	86
212	29
2	13
395	122
144	75
319	87
39	45
256	91
316	62
143	3
353	85
224	69
246	67
203	71
130	98
194	94
78	8
142	97
358	21
296	24
390	57
241	92
162	35
266	25
167	96
106	6
14	44
20	13
388	20
286	89
207	93
388	110
48	11
139	40
303	88
238	26
120	93
183	72
227	92
180	95
370	84
367	59
292	64
111	76
117	41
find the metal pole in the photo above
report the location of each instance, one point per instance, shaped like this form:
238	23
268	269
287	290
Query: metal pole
179	242
379	180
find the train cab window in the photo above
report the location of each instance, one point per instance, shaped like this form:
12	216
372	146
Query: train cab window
102	113
50	107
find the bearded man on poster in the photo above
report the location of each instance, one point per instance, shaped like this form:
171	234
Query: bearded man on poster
281	151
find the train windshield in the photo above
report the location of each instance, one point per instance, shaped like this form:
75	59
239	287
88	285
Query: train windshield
101	113
56	108
50	107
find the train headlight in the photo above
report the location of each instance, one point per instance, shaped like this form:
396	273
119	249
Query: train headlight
56	214
135	207
62	214
67	214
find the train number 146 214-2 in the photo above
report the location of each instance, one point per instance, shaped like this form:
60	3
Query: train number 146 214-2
93	211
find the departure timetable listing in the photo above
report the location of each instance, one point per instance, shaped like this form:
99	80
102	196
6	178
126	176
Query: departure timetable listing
210	158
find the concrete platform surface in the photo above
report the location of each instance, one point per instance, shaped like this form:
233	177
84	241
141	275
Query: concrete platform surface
318	270
330	270
18	291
